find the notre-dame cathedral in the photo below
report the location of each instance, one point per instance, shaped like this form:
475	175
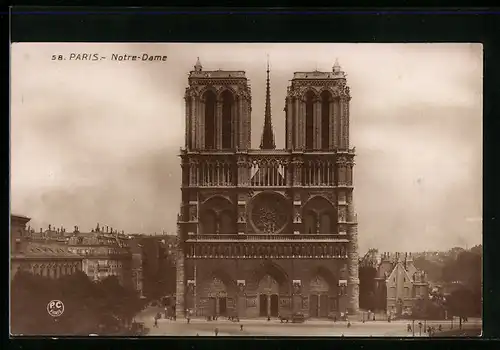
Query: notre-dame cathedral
267	231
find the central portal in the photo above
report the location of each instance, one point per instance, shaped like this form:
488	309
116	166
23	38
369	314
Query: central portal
274	305
223	306
268	297
263	305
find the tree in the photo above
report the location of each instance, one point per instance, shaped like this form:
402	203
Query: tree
433	269
86	305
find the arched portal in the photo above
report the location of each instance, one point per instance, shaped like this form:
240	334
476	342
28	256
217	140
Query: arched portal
323	295
320	216
268	290
210	119
227	119
273	290
219	294
309	100
326	97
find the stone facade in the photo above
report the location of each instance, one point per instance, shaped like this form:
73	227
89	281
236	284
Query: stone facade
267	232
104	254
47	259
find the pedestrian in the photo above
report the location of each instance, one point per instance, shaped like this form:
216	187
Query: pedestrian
241	327
349	324
156	322
374	317
216	331
440	328
408	327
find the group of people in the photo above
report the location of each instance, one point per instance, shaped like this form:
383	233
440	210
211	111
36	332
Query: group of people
431	330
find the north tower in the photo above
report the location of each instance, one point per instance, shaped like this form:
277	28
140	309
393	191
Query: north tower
267	231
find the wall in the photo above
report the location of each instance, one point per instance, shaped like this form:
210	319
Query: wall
231	270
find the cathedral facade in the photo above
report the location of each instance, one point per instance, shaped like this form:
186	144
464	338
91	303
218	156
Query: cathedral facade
267	231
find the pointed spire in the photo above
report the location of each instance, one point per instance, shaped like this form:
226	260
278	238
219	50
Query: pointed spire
267	141
198	67
336	66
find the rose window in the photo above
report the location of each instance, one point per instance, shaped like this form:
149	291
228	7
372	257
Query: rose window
269	214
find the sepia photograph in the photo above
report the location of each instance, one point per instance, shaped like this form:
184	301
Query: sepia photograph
246	189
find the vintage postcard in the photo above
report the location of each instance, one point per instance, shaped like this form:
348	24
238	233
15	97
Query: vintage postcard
246	189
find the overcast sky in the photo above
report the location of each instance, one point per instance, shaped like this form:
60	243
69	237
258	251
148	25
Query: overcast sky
98	141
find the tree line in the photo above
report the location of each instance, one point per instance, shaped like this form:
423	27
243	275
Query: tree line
103	307
461	270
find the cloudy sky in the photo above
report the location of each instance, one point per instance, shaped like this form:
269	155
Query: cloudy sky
98	141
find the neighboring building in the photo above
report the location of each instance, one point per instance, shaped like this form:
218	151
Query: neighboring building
399	285
105	252
137	275
368	266
156	257
46	258
267	231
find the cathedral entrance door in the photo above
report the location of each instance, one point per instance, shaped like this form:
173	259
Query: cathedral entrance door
313	305
212	306
323	305
274	305
223	306
263	305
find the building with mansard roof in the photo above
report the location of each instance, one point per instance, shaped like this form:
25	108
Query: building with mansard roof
105	253
267	231
43	257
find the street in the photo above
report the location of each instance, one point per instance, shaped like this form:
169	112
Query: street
262	327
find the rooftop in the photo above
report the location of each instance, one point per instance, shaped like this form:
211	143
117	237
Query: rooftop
16	217
217	74
47	251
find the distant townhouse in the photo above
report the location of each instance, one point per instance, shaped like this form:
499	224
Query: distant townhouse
105	253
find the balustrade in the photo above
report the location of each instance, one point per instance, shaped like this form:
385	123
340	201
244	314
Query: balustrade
271	169
274	238
318	173
259	251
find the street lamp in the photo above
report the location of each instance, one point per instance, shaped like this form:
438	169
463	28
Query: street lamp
413	325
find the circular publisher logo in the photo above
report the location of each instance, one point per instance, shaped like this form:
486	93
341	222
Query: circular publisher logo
55	308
